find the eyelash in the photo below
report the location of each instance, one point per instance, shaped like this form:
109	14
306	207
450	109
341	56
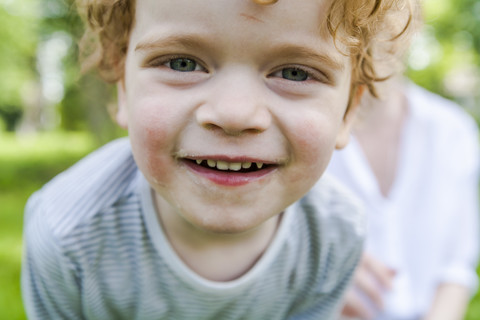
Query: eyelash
164	61
311	74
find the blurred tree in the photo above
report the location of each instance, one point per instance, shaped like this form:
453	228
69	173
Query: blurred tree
18	43
87	99
40	74
82	101
446	56
11	116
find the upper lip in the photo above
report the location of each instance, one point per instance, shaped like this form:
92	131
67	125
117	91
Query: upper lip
183	154
229	159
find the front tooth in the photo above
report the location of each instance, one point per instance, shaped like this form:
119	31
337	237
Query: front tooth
211	163
259	165
246	165
235	166
222	165
199	161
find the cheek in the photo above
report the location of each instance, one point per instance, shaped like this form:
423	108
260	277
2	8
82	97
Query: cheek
153	138
149	128
312	140
315	140
315	154
313	128
153	119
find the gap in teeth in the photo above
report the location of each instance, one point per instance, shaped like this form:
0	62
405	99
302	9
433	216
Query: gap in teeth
233	166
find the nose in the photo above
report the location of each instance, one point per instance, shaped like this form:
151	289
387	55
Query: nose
235	105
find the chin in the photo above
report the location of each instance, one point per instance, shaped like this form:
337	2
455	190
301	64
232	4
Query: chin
226	225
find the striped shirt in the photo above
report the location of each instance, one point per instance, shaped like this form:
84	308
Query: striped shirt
94	249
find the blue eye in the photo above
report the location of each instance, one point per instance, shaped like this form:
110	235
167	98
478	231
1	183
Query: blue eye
294	74
183	65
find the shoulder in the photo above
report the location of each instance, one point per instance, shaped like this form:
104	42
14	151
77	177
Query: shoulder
77	194
439	112
450	131
337	206
335	229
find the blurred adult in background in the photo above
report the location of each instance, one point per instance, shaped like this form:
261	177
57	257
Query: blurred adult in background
413	160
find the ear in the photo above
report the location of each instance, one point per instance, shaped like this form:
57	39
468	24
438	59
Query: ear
122	112
343	135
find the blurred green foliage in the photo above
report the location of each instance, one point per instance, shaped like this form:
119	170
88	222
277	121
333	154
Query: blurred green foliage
18	42
41	78
446	56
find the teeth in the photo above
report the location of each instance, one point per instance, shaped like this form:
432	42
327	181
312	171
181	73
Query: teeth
211	163
246	165
234	166
222	165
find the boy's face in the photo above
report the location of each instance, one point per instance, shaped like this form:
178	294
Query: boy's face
212	85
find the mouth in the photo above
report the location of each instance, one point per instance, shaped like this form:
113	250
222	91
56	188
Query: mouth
230	173
225	166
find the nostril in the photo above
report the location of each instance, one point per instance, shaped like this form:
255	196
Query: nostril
234	116
231	131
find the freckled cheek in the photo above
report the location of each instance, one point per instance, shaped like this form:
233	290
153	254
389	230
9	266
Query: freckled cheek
150	129
314	143
153	140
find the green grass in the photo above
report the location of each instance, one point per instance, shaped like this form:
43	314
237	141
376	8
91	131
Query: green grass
26	163
10	253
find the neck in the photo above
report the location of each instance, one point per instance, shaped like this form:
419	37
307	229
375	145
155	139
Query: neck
379	133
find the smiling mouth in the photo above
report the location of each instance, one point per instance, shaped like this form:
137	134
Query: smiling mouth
225	166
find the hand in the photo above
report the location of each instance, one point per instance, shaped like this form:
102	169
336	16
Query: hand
450	303
371	279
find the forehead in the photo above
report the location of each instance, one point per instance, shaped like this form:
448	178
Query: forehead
241	30
276	21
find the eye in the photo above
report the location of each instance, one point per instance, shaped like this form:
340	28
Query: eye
294	74
183	65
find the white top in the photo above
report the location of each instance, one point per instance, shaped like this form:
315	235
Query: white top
94	249
427	227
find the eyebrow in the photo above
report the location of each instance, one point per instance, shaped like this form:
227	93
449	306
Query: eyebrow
251	18
188	41
288	51
293	51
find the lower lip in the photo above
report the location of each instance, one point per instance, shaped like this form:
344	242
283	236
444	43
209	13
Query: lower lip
229	178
